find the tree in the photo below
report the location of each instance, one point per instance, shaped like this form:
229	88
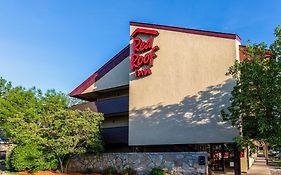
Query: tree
29	117
71	132
256	99
20	110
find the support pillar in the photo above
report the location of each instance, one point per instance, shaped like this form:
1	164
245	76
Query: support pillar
237	168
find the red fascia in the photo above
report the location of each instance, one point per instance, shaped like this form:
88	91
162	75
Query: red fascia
145	31
124	53
242	55
186	30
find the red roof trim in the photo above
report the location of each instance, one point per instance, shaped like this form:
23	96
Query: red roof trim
186	30
145	31
124	53
243	56
241	53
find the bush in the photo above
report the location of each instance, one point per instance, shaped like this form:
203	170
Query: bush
90	170
110	170
129	171
157	171
2	165
32	158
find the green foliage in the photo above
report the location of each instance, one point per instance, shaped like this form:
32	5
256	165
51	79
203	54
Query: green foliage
70	132
110	170
276	161
276	45
157	171
244	142
256	99
89	170
129	171
31	157
28	116
2	162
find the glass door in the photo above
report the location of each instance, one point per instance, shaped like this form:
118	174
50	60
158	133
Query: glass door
216	158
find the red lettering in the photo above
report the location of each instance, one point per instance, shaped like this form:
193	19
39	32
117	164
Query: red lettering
136	43
146	71
154	49
140	61
137	60
140	45
134	60
146	59
153	55
142	73
149	43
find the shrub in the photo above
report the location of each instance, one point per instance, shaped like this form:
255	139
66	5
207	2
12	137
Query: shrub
90	170
32	158
129	171
2	165
157	171
110	170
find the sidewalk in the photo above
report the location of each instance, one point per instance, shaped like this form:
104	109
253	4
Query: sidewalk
259	167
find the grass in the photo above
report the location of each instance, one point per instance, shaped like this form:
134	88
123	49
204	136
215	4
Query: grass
276	161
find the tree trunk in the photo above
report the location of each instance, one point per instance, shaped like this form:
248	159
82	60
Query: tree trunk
61	165
67	163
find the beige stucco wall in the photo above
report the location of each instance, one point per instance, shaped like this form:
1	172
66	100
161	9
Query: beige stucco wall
118	76
180	102
116	121
244	162
252	159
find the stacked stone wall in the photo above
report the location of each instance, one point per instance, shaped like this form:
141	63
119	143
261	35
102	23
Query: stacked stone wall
172	162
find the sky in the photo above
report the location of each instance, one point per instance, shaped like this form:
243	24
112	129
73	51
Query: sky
57	44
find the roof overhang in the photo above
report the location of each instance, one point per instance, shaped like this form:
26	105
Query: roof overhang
118	58
187	30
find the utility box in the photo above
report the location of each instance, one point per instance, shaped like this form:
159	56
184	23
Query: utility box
201	160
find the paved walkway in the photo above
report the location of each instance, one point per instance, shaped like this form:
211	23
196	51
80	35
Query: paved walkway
259	167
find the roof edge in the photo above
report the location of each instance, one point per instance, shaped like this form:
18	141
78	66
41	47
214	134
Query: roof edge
188	30
119	57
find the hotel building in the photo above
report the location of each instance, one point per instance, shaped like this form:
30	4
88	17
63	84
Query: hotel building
164	93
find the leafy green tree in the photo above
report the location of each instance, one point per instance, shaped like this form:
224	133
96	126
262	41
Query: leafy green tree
256	99
276	45
71	132
29	117
20	109
31	157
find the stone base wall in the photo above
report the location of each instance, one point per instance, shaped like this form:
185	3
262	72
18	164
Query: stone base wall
172	162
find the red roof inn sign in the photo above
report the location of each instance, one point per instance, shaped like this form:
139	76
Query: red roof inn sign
143	53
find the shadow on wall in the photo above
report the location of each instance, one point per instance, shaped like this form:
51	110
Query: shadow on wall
195	119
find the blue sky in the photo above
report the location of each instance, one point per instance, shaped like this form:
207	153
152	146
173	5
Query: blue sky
59	43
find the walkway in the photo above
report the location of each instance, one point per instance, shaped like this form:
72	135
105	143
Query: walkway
259	167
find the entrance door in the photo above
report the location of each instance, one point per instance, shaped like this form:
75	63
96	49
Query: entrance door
216	159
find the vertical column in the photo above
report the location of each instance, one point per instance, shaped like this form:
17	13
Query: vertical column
222	157
237	168
244	161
